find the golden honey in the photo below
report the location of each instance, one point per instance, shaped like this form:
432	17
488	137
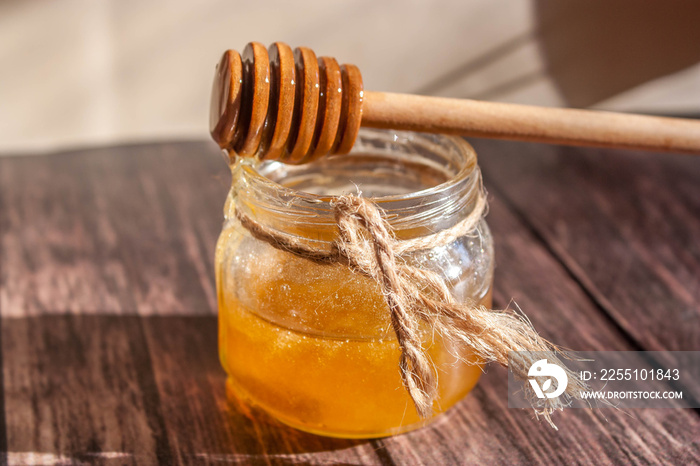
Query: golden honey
312	344
322	357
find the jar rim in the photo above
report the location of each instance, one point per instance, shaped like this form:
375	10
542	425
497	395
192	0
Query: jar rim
452	157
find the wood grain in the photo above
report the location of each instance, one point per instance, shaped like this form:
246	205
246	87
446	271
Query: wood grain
628	230
112	230
109	330
465	117
82	387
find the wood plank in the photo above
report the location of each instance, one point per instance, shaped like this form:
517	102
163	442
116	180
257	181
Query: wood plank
626	225
81	388
131	230
111	230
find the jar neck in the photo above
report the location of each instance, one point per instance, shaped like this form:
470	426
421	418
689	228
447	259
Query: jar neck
423	184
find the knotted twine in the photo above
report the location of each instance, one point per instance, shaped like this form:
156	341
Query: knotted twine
366	245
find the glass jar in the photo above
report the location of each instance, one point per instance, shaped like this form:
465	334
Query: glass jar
312	344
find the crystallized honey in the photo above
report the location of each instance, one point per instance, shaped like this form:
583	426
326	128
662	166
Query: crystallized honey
313	345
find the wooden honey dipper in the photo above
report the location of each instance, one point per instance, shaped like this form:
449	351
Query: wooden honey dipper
291	106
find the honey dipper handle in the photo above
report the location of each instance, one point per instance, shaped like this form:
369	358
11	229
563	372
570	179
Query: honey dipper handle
529	123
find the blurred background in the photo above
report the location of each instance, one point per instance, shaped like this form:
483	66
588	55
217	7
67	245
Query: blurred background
91	72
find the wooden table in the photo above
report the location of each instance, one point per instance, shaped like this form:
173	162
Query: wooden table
108	309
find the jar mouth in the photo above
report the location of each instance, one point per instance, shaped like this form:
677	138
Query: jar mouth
419	181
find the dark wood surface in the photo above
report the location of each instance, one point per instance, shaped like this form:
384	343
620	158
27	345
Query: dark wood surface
108	307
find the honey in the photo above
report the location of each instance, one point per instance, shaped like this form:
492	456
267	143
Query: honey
321	356
312	344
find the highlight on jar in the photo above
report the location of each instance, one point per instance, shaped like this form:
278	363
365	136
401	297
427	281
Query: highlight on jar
354	289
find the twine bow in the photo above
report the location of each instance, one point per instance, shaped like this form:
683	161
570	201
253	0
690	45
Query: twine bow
365	244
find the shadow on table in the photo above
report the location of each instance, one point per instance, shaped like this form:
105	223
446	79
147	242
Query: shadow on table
81	385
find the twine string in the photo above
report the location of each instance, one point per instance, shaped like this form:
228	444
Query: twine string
366	244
